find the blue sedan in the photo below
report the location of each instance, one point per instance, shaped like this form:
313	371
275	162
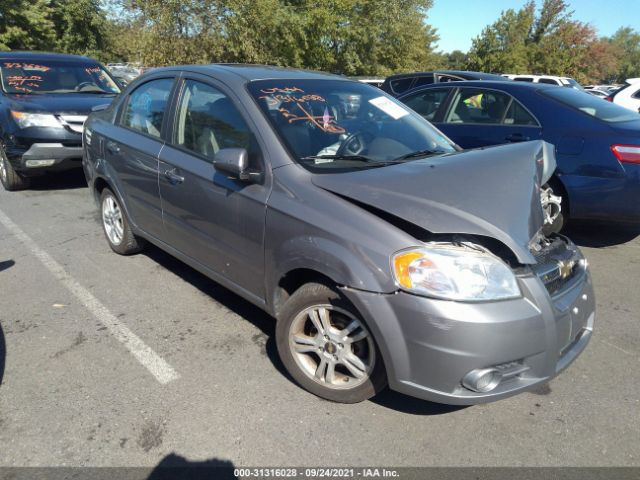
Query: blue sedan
597	143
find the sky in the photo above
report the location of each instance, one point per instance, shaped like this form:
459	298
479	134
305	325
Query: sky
459	21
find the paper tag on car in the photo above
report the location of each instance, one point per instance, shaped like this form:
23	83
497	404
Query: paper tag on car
387	106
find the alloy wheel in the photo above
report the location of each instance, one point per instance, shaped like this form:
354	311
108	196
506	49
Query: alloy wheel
332	347
112	220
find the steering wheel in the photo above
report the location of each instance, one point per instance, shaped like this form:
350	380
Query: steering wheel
80	86
355	143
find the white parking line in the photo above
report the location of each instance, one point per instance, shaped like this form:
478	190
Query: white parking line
158	367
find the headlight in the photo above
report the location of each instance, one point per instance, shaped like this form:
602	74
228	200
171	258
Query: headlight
454	273
25	120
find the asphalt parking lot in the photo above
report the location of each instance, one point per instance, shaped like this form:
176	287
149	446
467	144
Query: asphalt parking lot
122	361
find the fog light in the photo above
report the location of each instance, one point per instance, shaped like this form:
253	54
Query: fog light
482	379
40	163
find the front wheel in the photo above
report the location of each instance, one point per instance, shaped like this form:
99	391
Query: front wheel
554	207
327	348
10	179
116	225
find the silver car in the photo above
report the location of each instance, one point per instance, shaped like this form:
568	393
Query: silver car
386	255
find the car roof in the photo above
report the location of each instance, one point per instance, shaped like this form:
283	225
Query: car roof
486	84
480	75
252	72
44	56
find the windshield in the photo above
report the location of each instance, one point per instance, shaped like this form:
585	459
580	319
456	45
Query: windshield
330	125
38	77
591	105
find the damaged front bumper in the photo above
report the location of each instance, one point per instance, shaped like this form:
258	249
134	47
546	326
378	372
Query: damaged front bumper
429	346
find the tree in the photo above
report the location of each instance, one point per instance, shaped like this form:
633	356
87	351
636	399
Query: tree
26	25
627	42
456	60
549	41
80	26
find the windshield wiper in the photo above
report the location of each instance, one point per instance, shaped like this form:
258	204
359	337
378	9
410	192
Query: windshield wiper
418	153
357	158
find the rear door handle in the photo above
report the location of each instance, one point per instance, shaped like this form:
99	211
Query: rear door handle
173	177
112	147
516	137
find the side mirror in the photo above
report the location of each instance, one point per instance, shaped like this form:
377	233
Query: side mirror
235	163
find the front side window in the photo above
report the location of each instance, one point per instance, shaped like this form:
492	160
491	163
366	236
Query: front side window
208	121
33	77
477	106
146	105
329	125
427	103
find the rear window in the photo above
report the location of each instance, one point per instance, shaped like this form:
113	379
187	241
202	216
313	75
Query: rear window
593	106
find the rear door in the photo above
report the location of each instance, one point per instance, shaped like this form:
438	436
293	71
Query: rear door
214	220
133	148
478	117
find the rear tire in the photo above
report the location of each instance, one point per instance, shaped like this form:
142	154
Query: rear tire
10	179
116	226
326	346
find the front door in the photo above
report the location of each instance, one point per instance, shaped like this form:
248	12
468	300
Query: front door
482	117
212	219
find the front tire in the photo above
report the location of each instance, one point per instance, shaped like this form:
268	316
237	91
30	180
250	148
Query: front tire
116	226
10	179
326	346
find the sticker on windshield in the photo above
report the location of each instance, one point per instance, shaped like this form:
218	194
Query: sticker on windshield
387	106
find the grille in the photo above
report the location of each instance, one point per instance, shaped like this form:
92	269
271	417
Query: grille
558	263
73	122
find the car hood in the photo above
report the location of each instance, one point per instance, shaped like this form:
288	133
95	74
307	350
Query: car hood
494	192
71	103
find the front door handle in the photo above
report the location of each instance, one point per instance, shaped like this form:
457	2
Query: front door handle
173	177
113	148
516	137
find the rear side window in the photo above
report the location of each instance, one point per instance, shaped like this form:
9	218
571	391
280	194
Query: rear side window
548	81
146	105
401	85
428	102
518	115
637	94
423	80
595	107
523	79
208	121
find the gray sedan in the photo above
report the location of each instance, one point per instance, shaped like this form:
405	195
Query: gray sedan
386	255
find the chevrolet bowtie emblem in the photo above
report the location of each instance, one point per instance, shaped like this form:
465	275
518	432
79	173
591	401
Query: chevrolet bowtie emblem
565	268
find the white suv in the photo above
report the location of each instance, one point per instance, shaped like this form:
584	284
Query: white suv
550	79
629	96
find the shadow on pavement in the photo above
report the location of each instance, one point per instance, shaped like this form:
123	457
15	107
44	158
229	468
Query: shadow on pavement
6	264
413	406
260	319
3	353
596	235
68	180
175	467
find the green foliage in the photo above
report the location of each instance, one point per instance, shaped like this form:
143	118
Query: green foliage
627	42
353	37
26	25
548	41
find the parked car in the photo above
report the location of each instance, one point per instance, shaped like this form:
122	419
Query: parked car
374	81
384	253
44	101
628	96
597	144
124	74
597	93
403	82
546	79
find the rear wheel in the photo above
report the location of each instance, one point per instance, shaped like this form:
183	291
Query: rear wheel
10	179
326	346
116	226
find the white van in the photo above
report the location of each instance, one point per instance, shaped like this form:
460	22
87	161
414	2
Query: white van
550	79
